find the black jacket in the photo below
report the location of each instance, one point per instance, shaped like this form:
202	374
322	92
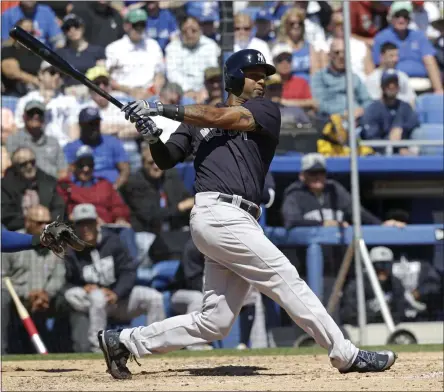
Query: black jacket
142	194
107	265
13	189
301	207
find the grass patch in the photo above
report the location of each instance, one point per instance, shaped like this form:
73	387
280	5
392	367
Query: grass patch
229	352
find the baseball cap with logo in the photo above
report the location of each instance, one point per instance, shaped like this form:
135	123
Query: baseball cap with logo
313	162
90	114
99	71
389	75
35	105
281	49
136	16
71	20
84	151
381	254
83	212
264	15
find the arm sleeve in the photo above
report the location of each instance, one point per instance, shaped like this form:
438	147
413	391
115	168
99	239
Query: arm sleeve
318	91
371	124
377	42
16	242
61	162
266	114
411	121
426	46
126	272
363	96
292	213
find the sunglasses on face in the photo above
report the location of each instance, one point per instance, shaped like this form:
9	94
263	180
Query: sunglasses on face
285	57
139	26
102	83
26	163
243	28
35	112
294	23
402	14
68	27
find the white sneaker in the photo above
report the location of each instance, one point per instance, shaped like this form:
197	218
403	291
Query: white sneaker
241	346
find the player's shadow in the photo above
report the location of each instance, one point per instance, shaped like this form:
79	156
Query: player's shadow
58	370
225	371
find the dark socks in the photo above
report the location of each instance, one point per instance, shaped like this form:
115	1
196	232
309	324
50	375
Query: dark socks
246	315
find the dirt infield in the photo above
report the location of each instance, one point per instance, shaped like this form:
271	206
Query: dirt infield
413	372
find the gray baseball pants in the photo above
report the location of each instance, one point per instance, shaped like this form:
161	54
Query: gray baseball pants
238	255
142	300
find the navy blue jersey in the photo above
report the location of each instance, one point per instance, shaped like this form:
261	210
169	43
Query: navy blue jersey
233	162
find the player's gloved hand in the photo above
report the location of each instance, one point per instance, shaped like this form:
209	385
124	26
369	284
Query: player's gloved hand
148	129
136	109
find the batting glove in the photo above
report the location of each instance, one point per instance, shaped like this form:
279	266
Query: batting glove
148	129
136	109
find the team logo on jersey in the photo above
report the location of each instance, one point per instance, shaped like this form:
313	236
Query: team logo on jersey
209	133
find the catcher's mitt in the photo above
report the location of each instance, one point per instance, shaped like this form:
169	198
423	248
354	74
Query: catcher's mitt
57	236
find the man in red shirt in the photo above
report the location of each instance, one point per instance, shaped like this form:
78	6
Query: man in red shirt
295	90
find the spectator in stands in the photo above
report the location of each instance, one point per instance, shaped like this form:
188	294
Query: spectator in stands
362	62
389	118
423	14
328	86
84	187
305	59
43	18
207	13
244	38
111	160
103	24
172	94
367	19
19	65
189	57
389	60
8	127
295	90
113	120
25	186
162	25
158	201
101	282
264	26
135	62
316	201
38	277
61	111
416	53
79	53
213	85
382	259
439	44
49	154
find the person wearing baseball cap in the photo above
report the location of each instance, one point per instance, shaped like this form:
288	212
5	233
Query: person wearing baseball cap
213	84
389	117
315	200
265	26
108	150
417	57
295	90
78	52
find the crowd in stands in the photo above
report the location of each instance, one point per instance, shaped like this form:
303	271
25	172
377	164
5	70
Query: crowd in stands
67	152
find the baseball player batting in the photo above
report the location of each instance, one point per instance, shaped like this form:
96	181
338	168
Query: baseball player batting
234	144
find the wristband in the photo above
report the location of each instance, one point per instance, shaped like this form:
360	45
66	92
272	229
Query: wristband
174	112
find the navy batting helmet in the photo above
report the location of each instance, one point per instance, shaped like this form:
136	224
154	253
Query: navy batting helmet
237	62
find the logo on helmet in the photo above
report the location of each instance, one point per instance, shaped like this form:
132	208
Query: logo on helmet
260	58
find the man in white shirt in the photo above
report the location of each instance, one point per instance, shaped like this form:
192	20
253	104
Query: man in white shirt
389	59
61	111
113	120
188	57
135	62
244	39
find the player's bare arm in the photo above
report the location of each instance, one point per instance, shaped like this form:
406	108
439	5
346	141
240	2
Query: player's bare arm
234	118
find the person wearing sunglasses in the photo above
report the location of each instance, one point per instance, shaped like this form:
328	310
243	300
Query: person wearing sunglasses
37	276
49	153
78	52
416	52
83	186
61	110
244	37
135	62
24	186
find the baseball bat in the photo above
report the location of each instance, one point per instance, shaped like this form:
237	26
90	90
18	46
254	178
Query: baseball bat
26	319
35	46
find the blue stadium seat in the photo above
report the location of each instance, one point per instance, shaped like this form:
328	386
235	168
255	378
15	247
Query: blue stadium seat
159	275
9	102
430	132
430	108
